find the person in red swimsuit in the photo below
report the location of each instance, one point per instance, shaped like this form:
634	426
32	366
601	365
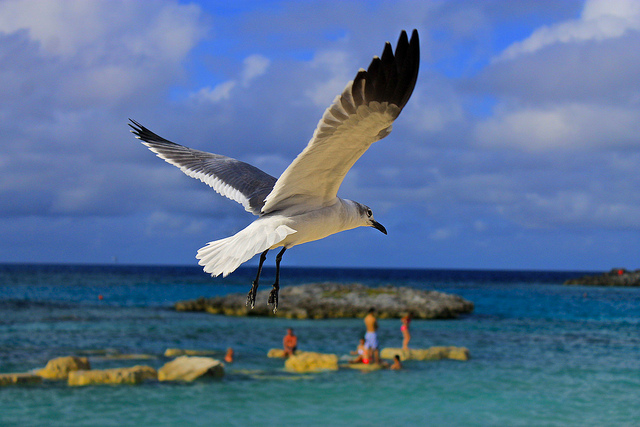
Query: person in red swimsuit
406	335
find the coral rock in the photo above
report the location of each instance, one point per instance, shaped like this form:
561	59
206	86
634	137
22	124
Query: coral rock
59	368
309	361
133	375
19	378
187	368
432	353
336	300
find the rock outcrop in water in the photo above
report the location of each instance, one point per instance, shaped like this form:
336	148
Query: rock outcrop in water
336	300
60	367
615	277
190	368
431	353
133	375
19	378
309	361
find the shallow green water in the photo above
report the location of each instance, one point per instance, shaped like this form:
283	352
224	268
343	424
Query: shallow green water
542	353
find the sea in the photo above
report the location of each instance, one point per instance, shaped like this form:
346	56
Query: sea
542	353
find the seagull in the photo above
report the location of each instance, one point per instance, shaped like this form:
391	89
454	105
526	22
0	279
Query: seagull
302	204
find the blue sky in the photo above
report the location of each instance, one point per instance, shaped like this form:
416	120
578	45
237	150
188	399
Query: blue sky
519	149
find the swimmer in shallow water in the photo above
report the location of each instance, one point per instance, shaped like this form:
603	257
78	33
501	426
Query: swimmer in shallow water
396	363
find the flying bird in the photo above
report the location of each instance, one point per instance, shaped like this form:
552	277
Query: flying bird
302	205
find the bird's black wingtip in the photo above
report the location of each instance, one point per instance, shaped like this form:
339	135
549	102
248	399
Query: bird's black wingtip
392	76
144	134
136	128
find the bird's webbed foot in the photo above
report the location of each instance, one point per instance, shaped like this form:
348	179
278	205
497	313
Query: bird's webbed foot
273	297
251	296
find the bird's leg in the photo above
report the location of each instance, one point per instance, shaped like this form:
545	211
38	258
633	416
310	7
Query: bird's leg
251	296
273	295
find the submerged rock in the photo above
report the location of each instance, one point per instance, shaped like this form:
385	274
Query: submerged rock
175	352
188	368
133	375
309	361
59	368
363	366
615	277
335	300
277	353
432	353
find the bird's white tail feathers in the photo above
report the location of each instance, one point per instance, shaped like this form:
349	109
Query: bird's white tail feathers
225	255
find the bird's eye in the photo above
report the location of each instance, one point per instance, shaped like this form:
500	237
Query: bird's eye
369	213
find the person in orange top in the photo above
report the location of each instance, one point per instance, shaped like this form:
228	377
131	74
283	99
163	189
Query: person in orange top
229	356
290	343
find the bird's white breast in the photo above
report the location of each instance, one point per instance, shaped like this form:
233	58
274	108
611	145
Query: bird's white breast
318	223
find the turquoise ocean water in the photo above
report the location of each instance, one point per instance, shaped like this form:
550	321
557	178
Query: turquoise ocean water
542	353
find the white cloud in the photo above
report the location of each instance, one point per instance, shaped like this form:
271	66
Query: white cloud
571	126
434	105
335	64
571	85
254	66
480	226
600	20
575	208
218	93
92	51
98	28
442	233
173	224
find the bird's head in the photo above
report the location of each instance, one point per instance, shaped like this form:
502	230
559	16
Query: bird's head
367	218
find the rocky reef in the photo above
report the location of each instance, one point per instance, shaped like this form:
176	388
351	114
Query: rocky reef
60	367
308	361
337	300
189	368
19	378
133	375
431	353
614	277
77	371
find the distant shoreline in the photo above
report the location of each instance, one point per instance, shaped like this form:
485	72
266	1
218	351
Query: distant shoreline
614	277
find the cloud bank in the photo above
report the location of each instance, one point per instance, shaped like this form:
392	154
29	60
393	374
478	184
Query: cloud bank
518	149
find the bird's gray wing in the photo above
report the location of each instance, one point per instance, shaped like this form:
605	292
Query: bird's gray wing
232	178
358	117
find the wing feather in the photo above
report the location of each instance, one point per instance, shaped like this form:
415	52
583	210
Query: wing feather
231	178
362	114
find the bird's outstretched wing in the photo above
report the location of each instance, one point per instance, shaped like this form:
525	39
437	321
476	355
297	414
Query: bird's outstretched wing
358	117
232	178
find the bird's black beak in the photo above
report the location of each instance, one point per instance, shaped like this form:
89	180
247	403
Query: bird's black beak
378	226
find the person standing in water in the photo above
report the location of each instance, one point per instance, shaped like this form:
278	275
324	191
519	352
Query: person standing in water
406	335
229	356
289	343
371	337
